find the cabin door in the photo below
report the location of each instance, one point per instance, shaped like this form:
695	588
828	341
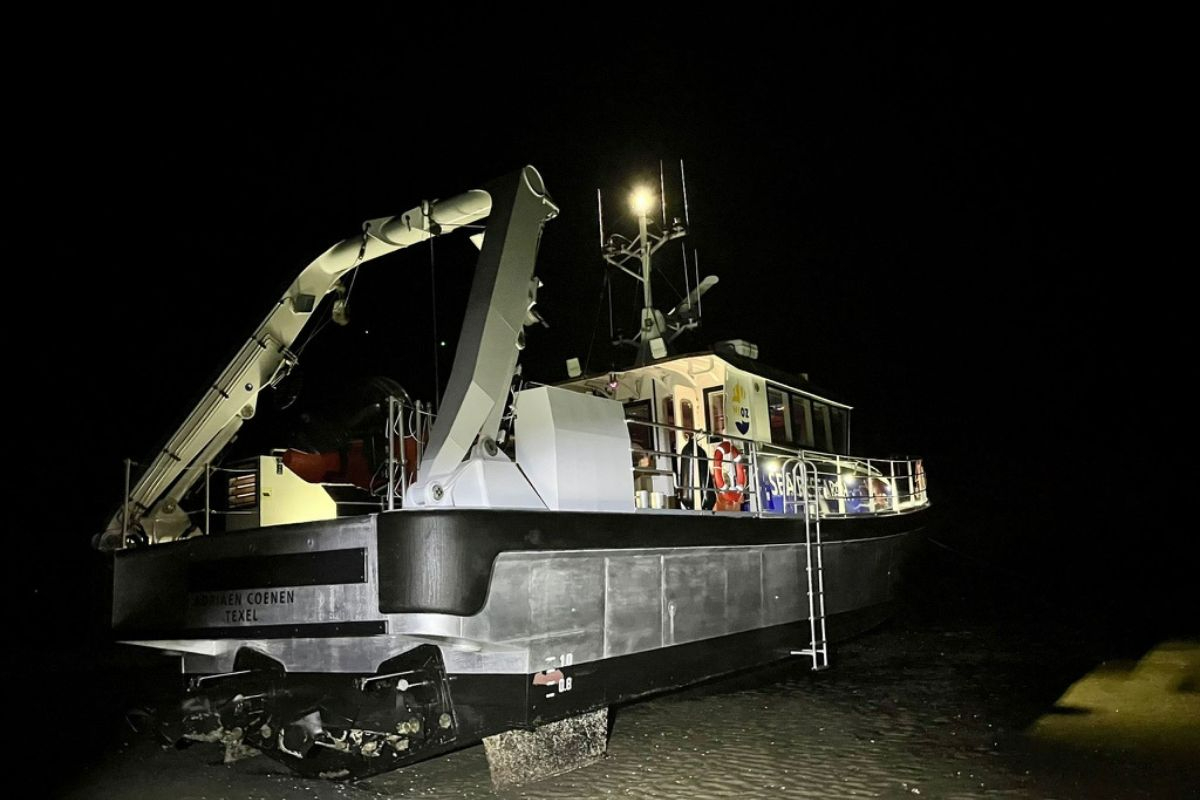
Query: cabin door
691	468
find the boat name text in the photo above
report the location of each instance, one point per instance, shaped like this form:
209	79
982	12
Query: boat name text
243	606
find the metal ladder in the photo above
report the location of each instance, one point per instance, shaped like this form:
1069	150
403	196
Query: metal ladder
809	491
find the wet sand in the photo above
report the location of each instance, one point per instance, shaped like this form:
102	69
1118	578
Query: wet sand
918	707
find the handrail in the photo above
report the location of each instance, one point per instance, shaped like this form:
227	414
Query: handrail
405	420
848	485
841	485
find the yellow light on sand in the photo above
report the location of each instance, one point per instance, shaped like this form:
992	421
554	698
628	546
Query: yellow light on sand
642	201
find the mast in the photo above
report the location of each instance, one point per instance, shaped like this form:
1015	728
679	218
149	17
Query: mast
652	325
635	259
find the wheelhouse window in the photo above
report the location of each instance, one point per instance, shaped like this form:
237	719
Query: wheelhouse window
822	434
802	428
800	421
777	412
837	422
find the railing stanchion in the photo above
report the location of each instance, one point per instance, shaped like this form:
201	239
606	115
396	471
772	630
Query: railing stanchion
391	456
207	497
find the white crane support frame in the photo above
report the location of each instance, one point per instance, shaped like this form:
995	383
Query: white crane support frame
151	505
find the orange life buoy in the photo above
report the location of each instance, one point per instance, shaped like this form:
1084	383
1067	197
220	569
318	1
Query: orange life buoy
729	473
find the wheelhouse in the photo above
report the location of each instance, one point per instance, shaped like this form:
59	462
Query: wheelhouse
681	409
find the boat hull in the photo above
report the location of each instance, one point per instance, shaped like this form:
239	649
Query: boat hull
511	619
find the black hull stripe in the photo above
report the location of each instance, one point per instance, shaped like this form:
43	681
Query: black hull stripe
314	630
290	569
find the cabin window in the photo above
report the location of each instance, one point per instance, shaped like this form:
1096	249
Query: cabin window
777	411
668	417
640	436
716	410
687	416
802	428
837	421
823	435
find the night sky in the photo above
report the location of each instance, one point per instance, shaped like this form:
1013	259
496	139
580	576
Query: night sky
959	225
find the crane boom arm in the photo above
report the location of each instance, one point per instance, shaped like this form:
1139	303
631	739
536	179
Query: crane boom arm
503	293
152	503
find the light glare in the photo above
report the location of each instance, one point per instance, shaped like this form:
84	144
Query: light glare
642	201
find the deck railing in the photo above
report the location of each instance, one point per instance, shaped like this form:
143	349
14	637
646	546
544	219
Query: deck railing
779	480
406	422
674	473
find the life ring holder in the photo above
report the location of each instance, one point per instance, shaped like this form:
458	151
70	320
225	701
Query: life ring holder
731	489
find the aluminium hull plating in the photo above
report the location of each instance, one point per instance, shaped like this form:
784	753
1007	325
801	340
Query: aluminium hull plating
537	616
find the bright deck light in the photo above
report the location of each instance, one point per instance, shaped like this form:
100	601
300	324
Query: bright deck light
642	201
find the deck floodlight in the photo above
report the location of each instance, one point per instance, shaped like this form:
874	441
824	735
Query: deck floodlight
642	201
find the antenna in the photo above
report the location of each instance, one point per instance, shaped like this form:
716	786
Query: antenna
600	217
687	290
662	192
612	334
699	304
682	177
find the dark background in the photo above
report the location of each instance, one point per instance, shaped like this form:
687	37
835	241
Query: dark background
964	226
